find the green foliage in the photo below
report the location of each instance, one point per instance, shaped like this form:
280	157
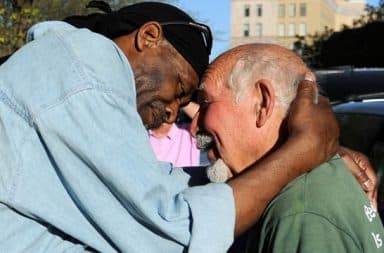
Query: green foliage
17	16
13	24
310	47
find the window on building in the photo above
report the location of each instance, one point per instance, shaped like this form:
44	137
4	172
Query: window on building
247	10
281	10
281	30
292	10
259	10
302	29
246	30
291	30
259	30
303	9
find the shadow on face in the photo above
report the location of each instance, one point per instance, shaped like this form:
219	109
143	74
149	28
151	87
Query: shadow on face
163	88
164	79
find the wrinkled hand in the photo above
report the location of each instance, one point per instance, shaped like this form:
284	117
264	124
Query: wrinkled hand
314	125
362	170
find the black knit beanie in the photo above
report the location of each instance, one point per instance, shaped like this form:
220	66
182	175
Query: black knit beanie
192	40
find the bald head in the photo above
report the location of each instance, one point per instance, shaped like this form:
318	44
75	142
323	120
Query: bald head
245	64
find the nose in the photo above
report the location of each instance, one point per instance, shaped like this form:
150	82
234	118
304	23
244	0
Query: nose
171	112
170	116
194	128
197	123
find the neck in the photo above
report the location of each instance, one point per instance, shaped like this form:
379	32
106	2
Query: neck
272	139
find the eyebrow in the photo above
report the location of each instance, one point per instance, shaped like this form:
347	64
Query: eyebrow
181	83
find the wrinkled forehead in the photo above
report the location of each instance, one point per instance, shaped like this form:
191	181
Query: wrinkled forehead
210	86
215	78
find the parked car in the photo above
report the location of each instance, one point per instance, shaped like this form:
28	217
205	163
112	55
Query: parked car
357	97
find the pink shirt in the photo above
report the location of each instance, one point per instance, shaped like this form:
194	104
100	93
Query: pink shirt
178	147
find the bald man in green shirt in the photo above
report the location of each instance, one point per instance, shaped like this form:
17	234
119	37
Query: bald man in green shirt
247	92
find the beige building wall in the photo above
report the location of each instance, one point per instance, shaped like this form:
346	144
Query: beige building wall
348	12
319	14
266	21
310	16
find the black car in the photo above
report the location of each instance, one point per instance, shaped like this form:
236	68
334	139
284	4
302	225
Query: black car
357	97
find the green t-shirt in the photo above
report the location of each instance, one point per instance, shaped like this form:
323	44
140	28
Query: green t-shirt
323	211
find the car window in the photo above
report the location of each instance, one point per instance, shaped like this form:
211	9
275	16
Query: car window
365	133
359	131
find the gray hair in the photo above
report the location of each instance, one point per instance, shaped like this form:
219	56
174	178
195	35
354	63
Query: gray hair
261	65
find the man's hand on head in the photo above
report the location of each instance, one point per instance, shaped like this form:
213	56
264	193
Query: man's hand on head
362	170
312	123
318	129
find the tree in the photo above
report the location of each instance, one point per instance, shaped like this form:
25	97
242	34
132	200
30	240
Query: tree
16	16
14	21
315	48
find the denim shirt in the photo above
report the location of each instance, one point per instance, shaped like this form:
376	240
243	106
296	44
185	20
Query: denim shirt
77	172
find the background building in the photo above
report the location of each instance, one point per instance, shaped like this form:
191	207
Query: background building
279	21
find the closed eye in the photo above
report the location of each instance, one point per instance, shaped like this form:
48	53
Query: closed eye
204	103
183	93
201	99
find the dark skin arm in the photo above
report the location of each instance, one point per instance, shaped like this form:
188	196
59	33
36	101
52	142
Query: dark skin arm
311	141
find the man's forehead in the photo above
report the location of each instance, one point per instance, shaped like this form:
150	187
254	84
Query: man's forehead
212	89
210	81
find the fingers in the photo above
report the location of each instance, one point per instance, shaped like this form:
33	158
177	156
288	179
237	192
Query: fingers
357	172
364	177
309	76
363	163
371	185
323	100
308	89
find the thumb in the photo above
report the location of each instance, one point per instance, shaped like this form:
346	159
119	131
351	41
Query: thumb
307	89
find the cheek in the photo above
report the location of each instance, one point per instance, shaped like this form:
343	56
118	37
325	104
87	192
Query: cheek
152	113
212	117
221	121
229	125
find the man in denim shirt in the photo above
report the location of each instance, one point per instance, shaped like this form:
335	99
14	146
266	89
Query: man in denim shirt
77	172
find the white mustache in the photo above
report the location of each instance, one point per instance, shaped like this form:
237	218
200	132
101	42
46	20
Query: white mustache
204	140
218	172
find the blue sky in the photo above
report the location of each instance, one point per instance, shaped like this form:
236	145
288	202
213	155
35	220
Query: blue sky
216	13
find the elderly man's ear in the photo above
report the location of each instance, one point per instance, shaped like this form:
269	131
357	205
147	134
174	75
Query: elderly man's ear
149	35
266	101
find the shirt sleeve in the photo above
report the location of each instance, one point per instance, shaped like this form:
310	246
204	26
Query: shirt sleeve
301	233
102	154
18	234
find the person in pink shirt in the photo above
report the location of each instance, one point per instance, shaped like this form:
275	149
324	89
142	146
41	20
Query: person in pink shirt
174	143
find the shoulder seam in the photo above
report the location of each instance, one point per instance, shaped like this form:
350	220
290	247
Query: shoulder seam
19	110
